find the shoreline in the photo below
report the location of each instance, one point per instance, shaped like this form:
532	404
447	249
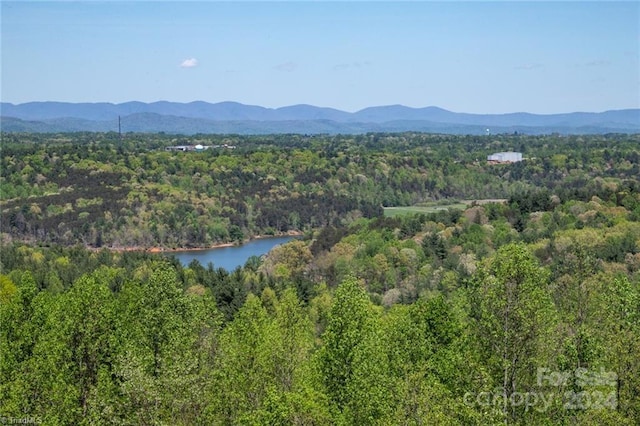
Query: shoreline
158	249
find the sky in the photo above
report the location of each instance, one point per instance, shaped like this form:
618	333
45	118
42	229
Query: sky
476	57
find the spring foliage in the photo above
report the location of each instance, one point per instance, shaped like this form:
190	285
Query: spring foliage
442	316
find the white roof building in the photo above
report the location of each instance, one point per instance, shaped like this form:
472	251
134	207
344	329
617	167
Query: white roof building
505	157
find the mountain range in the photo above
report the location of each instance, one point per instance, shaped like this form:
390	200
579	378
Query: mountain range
233	117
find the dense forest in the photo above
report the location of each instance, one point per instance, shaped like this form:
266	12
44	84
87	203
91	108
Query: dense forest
523	310
101	191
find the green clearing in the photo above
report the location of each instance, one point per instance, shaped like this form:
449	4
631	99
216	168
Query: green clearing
436	206
424	208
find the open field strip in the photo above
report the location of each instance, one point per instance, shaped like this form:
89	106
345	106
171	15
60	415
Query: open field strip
435	207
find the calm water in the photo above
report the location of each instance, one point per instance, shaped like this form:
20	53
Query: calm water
230	257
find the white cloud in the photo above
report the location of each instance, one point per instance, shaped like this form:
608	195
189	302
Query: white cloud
189	63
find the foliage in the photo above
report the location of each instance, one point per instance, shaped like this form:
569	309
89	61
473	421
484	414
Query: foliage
412	319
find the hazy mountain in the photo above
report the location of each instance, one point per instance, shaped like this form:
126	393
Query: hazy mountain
310	112
233	117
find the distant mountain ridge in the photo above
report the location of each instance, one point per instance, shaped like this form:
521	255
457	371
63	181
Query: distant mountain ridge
233	117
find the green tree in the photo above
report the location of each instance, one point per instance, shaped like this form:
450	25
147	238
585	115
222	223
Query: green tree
619	327
351	360
244	371
575	293
166	346
295	398
60	372
432	363
514	318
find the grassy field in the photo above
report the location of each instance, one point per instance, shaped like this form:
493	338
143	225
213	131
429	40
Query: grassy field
434	207
395	211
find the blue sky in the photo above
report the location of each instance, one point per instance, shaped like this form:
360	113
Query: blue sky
480	57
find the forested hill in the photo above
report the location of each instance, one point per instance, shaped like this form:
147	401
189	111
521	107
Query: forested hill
493	294
232	117
99	190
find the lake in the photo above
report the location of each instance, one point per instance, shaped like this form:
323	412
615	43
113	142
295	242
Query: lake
230	258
